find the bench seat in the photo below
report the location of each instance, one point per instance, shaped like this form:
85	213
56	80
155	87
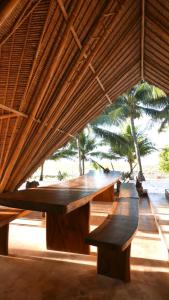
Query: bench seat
7	215
128	190
113	238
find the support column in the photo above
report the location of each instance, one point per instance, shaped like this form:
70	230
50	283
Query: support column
4	230
67	232
114	263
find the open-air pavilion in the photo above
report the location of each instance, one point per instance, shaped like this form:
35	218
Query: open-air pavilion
61	63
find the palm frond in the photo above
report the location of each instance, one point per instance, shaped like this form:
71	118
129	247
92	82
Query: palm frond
151	112
109	136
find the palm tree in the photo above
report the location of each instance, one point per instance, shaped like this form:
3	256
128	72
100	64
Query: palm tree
126	149
41	172
139	100
164	114
83	146
86	148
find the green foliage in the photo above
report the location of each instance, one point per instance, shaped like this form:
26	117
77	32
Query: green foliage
65	152
61	175
122	145
164	160
141	99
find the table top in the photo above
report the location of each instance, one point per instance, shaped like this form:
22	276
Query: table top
92	181
61	198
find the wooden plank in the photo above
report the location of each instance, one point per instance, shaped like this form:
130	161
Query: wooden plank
61	201
117	230
92	180
62	198
128	190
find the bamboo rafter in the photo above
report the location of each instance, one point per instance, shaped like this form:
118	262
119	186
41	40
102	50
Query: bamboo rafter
6	116
60	2
28	9
59	93
142	38
43	132
35	109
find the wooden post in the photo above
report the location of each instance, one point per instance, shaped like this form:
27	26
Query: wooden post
4	230
68	232
106	196
114	263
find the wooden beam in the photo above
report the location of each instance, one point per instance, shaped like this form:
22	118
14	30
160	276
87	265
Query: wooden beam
18	113
142	38
2	117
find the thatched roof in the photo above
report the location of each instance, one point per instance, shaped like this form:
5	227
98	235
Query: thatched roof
62	62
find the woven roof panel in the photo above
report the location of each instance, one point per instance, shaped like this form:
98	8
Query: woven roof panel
62	62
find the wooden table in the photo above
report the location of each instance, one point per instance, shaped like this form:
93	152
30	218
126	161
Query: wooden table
67	207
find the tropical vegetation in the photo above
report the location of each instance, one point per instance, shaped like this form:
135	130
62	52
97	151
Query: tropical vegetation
142	99
164	160
126	149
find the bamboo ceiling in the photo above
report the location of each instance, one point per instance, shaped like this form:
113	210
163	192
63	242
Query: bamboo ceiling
62	62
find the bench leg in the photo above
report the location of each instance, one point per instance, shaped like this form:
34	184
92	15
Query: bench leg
4	239
114	263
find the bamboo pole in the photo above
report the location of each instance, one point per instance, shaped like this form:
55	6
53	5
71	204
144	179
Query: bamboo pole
142	38
2	117
80	47
18	113
40	98
94	110
21	19
34	152
42	132
74	128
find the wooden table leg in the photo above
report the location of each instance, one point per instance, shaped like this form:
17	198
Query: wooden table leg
105	196
4	239
67	232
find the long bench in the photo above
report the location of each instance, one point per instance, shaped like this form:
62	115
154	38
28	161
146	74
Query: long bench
6	216
113	237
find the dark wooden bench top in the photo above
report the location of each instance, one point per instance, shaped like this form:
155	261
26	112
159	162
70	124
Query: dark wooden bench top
128	190
8	214
118	229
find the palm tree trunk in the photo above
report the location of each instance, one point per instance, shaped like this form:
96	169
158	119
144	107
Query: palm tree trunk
131	166
140	174
83	164
41	172
79	156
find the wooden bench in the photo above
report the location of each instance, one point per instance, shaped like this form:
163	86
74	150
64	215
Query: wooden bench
113	237
128	190
6	216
